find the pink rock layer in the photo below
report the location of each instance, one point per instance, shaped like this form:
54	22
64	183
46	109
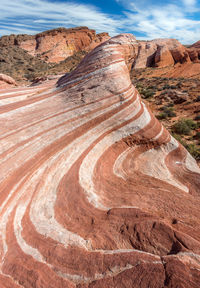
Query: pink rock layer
94	191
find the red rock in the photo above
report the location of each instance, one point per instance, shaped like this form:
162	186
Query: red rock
196	45
162	53
58	44
95	192
6	81
163	57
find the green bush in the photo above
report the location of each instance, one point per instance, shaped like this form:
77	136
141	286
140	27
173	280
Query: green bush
192	124
184	126
179	139
161	116
166	86
147	93
197	136
168	111
193	149
139	85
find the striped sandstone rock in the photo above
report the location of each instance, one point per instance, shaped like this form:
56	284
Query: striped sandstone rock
94	191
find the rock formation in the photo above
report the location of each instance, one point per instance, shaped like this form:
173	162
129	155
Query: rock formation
94	190
6	81
165	52
57	44
196	45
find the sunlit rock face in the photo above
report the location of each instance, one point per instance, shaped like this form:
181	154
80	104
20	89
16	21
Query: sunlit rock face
165	52
94	191
58	44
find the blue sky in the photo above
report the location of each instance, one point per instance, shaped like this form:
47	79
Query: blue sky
145	19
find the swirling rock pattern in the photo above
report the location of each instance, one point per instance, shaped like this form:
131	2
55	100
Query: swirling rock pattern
94	190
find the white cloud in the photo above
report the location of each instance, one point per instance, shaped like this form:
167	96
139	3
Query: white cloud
68	14
189	2
169	20
142	17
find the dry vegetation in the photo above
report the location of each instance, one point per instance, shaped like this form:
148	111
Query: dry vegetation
20	65
175	102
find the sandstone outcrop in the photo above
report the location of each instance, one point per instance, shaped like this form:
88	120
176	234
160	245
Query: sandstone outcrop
196	45
95	192
58	44
6	81
164	52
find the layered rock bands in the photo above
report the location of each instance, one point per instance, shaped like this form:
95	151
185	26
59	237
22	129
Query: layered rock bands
94	191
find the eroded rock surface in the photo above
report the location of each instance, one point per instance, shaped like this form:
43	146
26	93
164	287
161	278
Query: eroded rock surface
6	81
94	191
58	44
165	52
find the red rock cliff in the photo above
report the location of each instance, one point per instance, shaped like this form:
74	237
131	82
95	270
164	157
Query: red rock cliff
165	52
58	44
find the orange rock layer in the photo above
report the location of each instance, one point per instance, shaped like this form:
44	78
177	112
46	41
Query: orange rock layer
94	191
58	44
165	52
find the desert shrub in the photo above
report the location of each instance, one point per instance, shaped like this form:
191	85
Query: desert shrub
173	87
179	139
193	150
167	111
184	126
166	86
152	87
198	99
161	116
192	124
139	85
197	136
181	128
197	118
147	93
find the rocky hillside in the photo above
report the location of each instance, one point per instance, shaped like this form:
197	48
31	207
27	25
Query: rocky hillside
58	44
175	102
169	58
95	192
165	52
25	57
